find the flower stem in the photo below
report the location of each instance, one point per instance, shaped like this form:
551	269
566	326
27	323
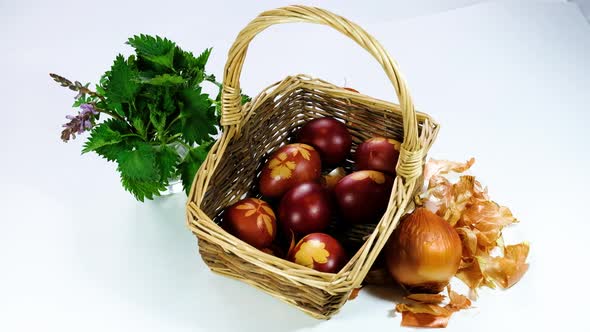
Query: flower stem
173	138
132	134
114	115
171	123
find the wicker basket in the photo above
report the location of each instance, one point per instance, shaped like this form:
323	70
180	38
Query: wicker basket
252	131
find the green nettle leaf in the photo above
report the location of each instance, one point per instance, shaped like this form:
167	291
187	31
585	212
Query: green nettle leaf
157	50
191	164
81	100
197	116
139	125
139	163
166	158
100	89
149	45
141	189
122	84
165	60
165	80
106	133
112	151
193	69
184	60
168	104
158	120
203	58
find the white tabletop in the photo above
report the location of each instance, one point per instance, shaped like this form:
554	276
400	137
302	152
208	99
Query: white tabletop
508	81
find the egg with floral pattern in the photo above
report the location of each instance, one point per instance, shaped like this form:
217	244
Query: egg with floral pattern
320	252
362	196
253	221
289	166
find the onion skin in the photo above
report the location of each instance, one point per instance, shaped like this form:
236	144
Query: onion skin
424	252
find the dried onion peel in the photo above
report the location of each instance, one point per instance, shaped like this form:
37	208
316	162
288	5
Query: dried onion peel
479	223
425	310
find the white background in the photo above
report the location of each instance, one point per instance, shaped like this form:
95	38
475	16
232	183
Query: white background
508	81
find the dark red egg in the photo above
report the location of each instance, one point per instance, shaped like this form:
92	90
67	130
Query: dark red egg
378	154
289	166
305	209
320	252
362	196
252	221
275	249
329	136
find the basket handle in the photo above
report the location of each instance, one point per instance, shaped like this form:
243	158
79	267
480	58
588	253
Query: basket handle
411	154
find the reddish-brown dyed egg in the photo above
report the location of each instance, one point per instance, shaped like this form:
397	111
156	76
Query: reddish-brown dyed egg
320	252
305	209
378	154
362	196
253	221
289	166
329	136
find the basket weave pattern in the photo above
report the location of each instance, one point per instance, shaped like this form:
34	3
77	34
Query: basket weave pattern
253	131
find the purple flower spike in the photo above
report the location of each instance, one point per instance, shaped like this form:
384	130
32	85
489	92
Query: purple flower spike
87	124
79	123
88	108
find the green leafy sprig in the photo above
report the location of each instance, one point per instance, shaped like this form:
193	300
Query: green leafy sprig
160	126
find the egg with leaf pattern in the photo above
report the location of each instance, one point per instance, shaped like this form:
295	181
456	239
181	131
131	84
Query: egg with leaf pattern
320	252
253	221
289	166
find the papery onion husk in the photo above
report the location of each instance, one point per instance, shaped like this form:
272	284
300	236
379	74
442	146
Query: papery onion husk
426	310
424	252
479	221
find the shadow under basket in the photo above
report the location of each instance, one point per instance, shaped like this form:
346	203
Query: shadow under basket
253	131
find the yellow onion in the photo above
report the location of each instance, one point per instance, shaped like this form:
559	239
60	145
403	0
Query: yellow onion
424	252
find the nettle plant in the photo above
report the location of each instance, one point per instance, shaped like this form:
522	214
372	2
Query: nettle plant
160	123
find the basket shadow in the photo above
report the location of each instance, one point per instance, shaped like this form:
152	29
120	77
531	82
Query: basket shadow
394	294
